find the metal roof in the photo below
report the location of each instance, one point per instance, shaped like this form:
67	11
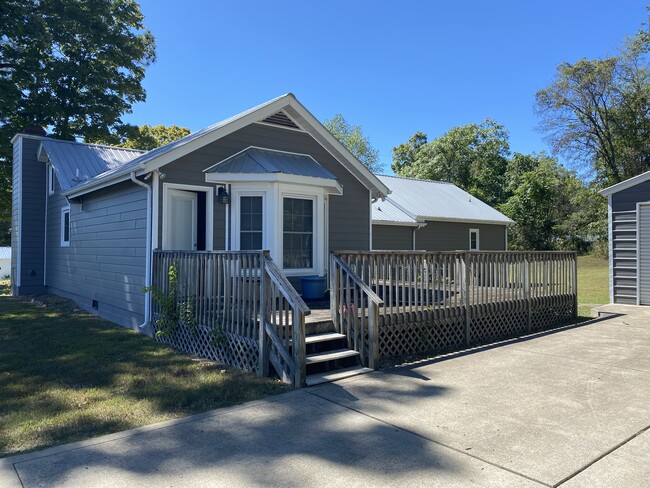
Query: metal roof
258	160
75	162
5	253
437	200
384	211
177	148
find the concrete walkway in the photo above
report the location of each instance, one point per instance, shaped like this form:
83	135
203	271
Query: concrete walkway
569	408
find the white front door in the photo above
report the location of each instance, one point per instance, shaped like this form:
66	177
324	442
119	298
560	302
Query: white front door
181	220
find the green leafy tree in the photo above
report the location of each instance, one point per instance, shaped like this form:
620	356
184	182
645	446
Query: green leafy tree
146	137
473	157
404	155
352	137
74	67
597	112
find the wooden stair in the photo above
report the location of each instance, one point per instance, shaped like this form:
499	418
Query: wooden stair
328	357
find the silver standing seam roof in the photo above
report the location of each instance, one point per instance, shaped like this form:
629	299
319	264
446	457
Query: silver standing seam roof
257	160
75	162
424	200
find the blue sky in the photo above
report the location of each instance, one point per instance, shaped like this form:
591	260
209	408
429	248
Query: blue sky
392	67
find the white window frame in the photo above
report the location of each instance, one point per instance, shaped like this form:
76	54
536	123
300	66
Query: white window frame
478	245
314	232
66	210
248	191
51	187
209	212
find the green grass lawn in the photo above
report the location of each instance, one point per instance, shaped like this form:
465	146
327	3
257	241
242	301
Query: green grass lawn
593	283
66	375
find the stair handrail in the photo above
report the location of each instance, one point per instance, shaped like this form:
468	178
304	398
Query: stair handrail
338	270
272	274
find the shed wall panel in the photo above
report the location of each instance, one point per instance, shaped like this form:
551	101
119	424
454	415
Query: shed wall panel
392	237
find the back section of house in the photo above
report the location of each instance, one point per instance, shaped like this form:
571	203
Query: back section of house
440	236
90	249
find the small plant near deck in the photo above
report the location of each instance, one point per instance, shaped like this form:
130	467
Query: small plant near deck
171	312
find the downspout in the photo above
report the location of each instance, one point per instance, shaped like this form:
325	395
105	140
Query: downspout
147	278
419	226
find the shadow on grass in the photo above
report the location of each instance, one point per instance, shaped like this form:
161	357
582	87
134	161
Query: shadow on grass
67	375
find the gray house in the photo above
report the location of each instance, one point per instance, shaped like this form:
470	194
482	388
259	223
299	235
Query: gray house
87	218
435	216
628	205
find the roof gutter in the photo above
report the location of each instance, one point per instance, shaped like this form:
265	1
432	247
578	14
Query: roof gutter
145	326
415	229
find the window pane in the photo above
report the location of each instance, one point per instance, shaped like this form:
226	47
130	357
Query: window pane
250	223
298	233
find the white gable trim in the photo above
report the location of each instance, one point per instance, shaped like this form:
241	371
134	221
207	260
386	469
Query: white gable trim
624	185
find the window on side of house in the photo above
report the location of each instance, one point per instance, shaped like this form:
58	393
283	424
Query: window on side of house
65	226
50	180
251	223
298	233
473	240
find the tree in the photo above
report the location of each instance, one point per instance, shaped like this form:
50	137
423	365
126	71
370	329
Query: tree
146	137
352	137
74	67
597	112
473	157
405	154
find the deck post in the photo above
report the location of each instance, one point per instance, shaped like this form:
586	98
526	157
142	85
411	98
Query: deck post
264	316
527	292
373	335
299	348
465	296
574	284
334	294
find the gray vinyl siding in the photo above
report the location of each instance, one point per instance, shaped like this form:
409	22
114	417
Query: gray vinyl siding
392	237
28	215
624	241
349	214
454	236
106	258
15	213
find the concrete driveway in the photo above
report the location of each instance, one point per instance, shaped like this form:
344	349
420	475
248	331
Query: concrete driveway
569	408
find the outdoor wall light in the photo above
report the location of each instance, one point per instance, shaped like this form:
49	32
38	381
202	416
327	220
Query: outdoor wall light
223	196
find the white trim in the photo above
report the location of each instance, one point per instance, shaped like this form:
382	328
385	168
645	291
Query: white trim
47	194
610	251
209	211
478	239
317	238
332	186
278	126
506	231
155	218
397	224
235	236
63	242
623	185
51	182
25	136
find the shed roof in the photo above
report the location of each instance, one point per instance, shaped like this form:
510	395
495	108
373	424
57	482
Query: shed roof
623	185
385	212
258	160
5	253
76	162
436	200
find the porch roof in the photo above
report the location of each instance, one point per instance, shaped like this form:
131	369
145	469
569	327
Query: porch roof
254	160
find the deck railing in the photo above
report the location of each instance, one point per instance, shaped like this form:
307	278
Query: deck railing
448	300
215	297
354	308
282	326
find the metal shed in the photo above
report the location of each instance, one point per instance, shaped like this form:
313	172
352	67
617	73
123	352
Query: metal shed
629	240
